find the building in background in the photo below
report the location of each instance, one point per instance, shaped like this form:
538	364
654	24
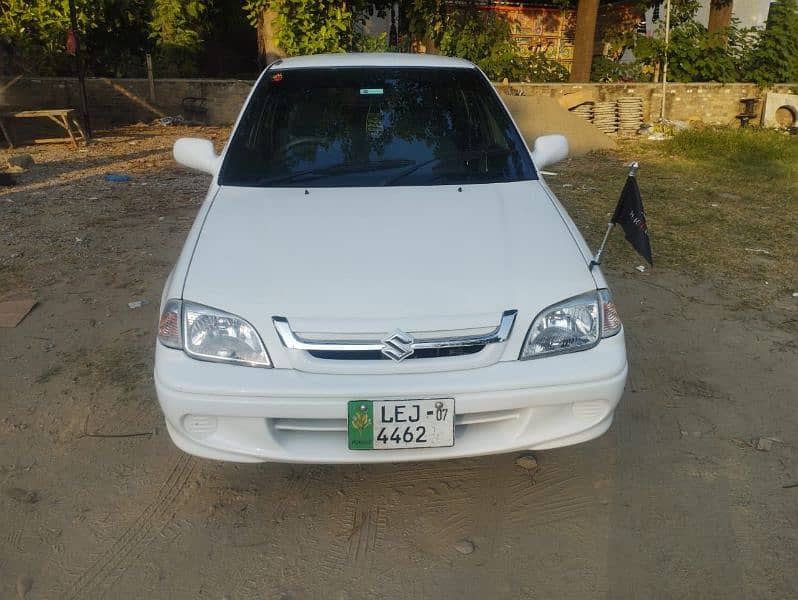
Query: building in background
543	27
540	26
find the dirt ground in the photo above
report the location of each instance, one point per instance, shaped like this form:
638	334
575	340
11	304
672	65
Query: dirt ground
675	501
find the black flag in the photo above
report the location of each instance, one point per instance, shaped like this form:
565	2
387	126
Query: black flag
630	215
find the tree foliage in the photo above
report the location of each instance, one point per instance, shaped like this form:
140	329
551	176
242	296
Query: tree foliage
696	54
184	34
178	28
485	39
775	58
35	32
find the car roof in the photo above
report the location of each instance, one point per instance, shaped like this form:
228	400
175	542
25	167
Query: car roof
374	59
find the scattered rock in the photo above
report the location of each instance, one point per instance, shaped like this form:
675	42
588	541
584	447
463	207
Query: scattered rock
137	303
24	585
22	495
464	546
527	462
20	161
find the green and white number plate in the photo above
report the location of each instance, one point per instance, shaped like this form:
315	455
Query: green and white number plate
395	424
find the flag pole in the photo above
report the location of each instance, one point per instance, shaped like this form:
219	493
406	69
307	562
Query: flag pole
633	167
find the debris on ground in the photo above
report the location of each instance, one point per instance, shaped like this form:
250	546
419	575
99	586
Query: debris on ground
464	546
117	178
138	303
20	162
763	444
13	311
757	250
641	268
173	120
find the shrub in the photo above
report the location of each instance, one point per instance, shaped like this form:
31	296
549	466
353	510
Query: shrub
485	39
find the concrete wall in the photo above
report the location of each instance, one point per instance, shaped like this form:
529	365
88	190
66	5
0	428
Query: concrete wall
712	103
117	101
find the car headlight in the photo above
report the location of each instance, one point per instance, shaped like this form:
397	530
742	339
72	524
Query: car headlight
572	325
210	334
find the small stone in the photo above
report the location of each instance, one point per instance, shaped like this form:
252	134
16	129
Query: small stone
527	462
764	444
464	546
24	585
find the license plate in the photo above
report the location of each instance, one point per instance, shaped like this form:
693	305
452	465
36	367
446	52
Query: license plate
395	424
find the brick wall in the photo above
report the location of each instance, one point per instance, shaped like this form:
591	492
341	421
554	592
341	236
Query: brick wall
117	101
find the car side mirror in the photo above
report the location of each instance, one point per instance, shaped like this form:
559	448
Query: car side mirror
196	153
549	149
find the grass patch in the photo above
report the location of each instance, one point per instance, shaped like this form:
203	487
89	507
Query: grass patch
748	150
722	205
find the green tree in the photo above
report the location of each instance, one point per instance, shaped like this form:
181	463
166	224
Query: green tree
485	39
35	31
694	53
775	59
292	27
178	28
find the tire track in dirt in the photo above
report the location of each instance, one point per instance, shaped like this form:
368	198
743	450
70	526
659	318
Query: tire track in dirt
153	519
367	531
360	536
554	495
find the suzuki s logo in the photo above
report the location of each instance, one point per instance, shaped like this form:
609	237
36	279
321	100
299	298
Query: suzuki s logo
398	346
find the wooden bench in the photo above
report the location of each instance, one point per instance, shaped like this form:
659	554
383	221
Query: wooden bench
63	117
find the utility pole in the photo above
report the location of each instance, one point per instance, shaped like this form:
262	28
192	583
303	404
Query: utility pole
665	62
84	104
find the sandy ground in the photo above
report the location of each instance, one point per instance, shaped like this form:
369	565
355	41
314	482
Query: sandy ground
674	502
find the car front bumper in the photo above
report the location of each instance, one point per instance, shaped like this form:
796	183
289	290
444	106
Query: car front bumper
245	414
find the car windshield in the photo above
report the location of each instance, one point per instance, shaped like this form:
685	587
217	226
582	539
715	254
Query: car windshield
367	127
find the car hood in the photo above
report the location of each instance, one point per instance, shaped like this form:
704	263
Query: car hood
373	259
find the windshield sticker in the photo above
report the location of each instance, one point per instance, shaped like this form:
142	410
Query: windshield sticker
372	91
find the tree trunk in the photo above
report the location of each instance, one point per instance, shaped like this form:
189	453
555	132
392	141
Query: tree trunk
268	50
720	14
584	40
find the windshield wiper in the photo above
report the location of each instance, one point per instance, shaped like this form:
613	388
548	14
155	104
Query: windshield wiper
342	167
463	156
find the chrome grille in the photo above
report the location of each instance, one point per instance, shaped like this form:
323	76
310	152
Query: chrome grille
397	346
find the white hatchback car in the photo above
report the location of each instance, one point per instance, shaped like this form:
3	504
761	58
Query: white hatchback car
379	274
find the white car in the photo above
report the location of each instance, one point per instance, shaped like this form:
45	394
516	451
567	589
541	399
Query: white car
379	274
